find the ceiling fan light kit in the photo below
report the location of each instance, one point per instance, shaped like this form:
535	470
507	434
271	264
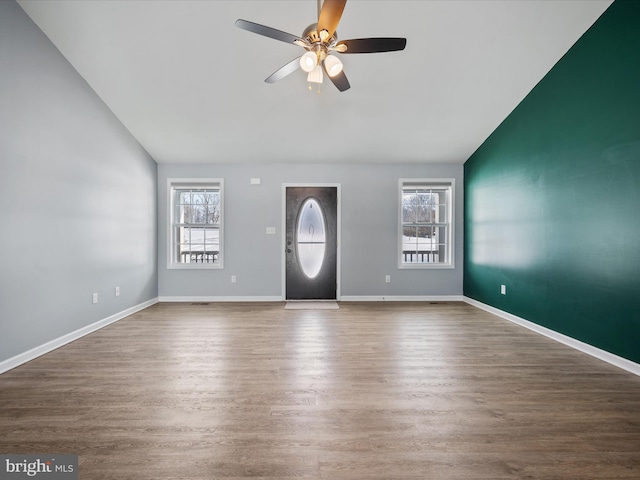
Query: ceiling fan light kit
320	42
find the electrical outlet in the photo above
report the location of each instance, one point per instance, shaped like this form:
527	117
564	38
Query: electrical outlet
387	279
117	291
94	299
503	289
233	279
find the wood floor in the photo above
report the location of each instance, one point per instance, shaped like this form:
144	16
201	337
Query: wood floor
370	391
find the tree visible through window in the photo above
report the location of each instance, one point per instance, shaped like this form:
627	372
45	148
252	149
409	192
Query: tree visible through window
196	230
425	223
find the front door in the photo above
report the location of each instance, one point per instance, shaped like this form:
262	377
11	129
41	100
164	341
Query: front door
311	243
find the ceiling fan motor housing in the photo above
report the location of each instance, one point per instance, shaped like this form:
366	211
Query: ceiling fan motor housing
312	36
316	44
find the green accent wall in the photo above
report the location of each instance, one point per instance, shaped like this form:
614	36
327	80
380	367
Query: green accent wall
552	197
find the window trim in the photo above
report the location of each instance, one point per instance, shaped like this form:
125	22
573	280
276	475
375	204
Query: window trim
176	183
441	182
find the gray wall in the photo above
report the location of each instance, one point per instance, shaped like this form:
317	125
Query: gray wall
77	197
369	230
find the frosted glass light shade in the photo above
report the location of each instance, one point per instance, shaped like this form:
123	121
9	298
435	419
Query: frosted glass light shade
315	75
308	61
333	65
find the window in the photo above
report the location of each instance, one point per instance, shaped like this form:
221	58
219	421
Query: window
195	211
311	238
426	227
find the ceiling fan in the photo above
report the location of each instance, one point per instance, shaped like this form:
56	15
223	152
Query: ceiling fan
321	42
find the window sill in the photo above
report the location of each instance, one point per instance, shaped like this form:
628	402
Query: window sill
194	266
426	266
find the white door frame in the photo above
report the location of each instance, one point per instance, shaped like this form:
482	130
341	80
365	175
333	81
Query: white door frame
283	267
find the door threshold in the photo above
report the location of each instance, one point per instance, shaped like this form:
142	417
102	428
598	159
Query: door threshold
311	305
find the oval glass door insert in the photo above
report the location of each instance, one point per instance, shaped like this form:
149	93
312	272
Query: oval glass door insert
310	238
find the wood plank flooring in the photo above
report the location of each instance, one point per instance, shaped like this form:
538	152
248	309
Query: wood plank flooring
370	391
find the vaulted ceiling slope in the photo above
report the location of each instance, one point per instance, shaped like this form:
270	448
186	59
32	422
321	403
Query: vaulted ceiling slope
189	85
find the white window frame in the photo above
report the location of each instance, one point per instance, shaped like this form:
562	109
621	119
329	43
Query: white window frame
448	183
174	184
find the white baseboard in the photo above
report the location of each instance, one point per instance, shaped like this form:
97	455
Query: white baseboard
603	355
401	298
202	299
34	353
343	298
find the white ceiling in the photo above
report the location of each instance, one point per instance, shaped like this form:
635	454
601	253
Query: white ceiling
189	85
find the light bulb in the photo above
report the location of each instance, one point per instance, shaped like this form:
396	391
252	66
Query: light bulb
308	61
341	47
333	65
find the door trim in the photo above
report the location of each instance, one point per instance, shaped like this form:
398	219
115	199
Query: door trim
283	227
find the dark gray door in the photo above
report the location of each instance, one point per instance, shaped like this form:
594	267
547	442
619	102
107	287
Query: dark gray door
311	243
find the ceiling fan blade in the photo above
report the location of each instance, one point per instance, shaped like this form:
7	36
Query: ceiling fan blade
339	80
373	45
267	31
330	16
282	72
